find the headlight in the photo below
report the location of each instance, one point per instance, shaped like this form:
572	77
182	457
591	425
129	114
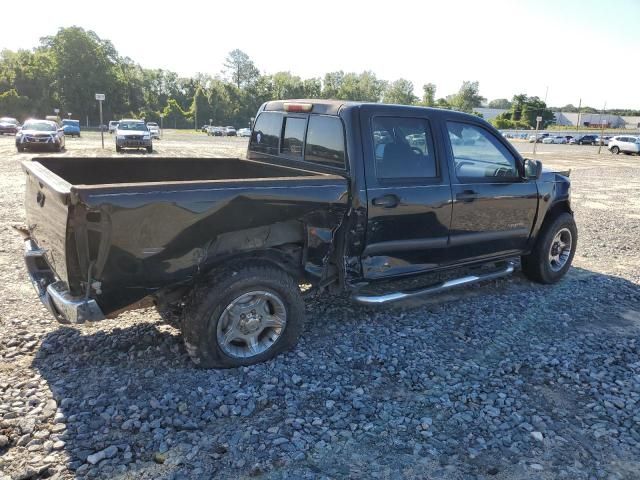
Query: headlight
120	137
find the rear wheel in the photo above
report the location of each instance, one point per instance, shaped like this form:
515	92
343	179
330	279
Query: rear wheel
242	317
553	252
149	149
20	148
118	149
615	150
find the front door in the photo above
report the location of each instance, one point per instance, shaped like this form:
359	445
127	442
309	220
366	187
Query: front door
409	195
493	206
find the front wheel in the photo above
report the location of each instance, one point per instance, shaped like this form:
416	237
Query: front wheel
20	148
242	316
149	149
615	150
553	251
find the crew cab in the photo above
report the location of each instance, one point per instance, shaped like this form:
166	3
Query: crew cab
333	195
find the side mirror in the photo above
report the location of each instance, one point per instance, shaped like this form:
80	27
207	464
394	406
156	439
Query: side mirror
532	169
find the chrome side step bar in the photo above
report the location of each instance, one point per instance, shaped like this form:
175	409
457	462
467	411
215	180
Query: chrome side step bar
441	287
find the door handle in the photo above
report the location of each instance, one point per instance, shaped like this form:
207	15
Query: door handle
467	196
386	201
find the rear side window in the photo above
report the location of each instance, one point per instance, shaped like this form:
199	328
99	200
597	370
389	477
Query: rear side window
293	138
325	141
403	148
266	133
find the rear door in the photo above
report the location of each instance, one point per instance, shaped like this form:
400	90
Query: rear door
409	195
493	207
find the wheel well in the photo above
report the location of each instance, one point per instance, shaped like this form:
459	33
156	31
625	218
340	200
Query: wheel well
285	257
555	210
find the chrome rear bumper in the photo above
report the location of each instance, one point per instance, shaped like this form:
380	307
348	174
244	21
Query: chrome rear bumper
53	293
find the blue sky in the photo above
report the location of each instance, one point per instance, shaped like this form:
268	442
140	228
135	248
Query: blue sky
578	49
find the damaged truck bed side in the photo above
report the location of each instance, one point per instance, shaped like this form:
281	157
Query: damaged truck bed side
332	194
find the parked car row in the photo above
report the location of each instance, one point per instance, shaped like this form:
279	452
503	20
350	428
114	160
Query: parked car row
568	139
213	131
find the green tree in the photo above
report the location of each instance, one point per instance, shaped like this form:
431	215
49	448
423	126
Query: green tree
332	84
400	92
312	88
468	97
500	103
429	95
286	86
84	65
443	103
240	69
18	105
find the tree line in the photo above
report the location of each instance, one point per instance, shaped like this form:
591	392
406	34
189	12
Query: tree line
67	69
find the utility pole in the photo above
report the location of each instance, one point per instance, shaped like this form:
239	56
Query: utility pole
535	141
578	124
161	118
602	127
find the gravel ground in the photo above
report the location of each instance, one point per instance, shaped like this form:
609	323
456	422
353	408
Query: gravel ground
504	380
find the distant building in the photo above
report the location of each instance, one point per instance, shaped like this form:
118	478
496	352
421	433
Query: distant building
594	120
632	123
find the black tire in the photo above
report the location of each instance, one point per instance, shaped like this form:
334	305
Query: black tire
615	150
149	149
536	266
118	149
20	148
207	303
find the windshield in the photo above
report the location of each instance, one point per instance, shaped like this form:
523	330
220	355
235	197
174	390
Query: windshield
8	120
40	126
71	122
132	126
151	124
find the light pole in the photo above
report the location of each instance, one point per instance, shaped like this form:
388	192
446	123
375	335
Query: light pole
161	118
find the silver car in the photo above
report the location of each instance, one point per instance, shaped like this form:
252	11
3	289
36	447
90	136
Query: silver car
625	144
154	129
132	133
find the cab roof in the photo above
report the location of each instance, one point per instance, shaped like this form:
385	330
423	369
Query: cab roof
334	107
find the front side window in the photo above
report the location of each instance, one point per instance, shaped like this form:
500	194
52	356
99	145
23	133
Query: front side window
403	148
266	133
479	154
325	141
293	138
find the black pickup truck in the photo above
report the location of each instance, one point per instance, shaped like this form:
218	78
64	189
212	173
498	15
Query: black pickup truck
385	201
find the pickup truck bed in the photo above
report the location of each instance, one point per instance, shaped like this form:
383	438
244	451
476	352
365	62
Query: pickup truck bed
132	226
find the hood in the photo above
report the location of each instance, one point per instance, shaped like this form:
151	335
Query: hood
550	175
132	132
36	133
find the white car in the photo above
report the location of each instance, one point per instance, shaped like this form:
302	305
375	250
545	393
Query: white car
154	129
556	139
625	144
244	132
